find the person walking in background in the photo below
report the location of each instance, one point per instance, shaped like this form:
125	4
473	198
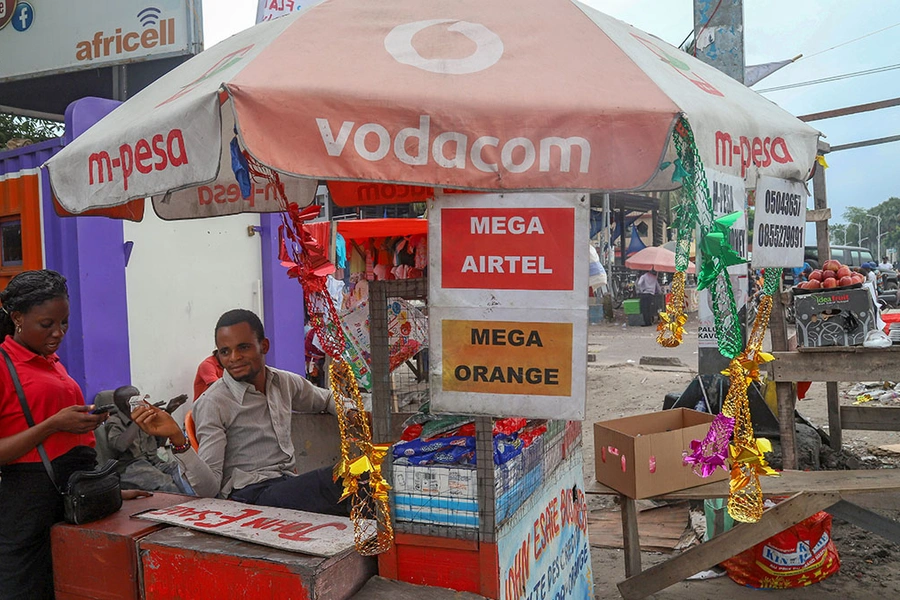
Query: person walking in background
648	289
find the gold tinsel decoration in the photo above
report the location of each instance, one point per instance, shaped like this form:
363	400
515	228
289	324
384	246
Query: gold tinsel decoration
360	466
671	322
748	463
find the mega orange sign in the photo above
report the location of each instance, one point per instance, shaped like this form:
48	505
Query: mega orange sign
508	248
507	357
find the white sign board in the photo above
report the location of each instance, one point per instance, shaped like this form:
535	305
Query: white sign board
267	10
728	195
508	304
71	36
293	530
779	226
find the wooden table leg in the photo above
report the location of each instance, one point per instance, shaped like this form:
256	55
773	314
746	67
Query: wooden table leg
776	519
630	538
834	415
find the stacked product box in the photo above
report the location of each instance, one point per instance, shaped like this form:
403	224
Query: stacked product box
447	494
436	494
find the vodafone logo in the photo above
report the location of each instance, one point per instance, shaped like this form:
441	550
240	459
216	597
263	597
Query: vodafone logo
488	47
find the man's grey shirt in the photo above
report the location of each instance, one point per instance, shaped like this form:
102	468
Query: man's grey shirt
245	436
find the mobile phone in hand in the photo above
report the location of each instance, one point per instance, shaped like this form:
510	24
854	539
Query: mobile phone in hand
103	408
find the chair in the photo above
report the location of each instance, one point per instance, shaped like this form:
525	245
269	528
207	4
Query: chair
191	430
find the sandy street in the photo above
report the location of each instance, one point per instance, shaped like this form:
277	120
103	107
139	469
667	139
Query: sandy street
618	386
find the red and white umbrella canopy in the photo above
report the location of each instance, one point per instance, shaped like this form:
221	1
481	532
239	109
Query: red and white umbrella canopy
500	96
655	258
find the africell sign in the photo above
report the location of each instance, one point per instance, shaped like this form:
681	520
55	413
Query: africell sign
70	36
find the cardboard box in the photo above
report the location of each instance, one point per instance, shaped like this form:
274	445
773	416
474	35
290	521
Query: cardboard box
435	480
829	318
641	456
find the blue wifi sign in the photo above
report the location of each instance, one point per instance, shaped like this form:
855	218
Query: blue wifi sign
149	17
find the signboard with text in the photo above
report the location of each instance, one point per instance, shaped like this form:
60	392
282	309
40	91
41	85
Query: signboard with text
267	10
508	304
728	195
71	36
779	223
294	530
543	550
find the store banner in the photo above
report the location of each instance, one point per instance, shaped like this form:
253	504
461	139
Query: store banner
728	195
544	550
508	304
779	223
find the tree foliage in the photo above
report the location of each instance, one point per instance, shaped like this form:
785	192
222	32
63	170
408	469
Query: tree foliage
36	130
860	223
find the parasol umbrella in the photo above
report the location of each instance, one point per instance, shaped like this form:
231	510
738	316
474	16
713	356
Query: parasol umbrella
540	95
655	258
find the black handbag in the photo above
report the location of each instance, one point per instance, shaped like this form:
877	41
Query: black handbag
87	495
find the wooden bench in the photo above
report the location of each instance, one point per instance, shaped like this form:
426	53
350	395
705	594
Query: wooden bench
807	492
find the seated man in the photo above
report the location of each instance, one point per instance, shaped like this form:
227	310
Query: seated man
243	424
140	467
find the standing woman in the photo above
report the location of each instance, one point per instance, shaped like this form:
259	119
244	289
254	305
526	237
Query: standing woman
34	317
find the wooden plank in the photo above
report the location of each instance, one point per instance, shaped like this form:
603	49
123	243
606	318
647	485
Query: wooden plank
871	418
710	553
850	110
869	363
379	588
863	481
818	214
661	527
867	519
784	392
834	416
820	201
630	539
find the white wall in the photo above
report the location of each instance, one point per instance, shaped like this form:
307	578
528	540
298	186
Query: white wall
181	277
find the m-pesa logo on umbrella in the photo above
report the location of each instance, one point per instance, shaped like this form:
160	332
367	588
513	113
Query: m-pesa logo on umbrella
154	31
156	154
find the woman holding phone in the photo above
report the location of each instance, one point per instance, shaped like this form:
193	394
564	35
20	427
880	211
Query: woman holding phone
34	317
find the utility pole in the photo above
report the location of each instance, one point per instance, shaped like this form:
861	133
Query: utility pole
878	233
719	42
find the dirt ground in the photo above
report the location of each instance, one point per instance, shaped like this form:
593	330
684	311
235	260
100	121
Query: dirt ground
618	386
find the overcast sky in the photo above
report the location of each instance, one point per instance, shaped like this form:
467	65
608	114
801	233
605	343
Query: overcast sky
774	30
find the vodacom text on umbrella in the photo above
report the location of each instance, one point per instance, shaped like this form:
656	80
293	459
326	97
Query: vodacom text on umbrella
451	149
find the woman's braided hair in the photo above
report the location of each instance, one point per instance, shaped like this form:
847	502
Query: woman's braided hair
27	290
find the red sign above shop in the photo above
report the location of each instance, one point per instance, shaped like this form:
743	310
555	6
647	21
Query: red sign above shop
508	248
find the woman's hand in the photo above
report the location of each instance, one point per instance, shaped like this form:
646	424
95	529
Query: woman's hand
76	419
157	422
134	494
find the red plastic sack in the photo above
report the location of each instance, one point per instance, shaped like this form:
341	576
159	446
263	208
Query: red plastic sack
798	556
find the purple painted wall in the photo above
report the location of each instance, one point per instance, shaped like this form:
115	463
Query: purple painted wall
89	253
282	303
